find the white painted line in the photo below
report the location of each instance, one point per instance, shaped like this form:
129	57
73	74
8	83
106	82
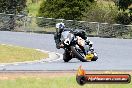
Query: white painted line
2	65
53	60
16	64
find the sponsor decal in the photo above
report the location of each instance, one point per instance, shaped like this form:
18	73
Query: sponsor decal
82	78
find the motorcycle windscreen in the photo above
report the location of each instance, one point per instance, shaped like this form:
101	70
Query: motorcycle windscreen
65	35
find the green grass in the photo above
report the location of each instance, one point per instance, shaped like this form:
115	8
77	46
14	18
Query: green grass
19	54
56	82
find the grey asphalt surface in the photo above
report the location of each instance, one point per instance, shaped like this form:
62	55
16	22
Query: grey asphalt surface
114	54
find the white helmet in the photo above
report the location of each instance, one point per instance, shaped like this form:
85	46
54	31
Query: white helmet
60	25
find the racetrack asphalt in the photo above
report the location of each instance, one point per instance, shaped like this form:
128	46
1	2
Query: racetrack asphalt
114	54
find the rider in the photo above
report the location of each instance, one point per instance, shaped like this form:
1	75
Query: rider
60	27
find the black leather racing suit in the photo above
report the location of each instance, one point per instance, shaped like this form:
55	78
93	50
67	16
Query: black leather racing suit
81	33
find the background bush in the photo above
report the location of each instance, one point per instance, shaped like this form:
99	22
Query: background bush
66	9
101	11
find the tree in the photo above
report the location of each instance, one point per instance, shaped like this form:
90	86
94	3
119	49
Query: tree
12	7
123	4
124	16
101	12
66	9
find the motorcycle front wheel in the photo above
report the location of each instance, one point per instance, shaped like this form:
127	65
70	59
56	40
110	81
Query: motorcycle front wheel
78	54
81	56
66	56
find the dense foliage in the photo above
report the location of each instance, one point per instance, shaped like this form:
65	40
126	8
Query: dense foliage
12	6
100	12
123	4
124	17
67	9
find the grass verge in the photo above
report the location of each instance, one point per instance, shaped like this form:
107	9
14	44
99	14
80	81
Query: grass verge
10	54
44	81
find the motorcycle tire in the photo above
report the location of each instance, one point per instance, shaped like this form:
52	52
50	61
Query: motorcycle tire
66	57
94	58
77	54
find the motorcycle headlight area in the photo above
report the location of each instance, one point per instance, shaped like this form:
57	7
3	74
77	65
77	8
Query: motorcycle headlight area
67	41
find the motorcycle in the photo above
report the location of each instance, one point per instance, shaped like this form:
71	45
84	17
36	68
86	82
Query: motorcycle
75	47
